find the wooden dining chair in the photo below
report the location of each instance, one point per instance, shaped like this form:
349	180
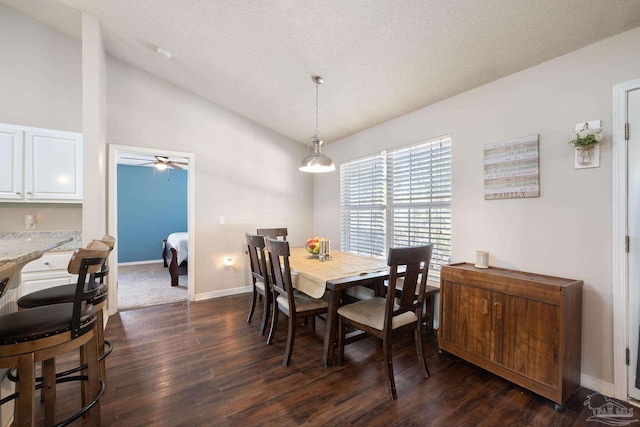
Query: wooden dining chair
261	285
44	333
273	233
291	302
380	316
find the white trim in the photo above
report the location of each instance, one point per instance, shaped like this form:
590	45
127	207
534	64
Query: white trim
619	256
153	261
112	225
596	384
224	293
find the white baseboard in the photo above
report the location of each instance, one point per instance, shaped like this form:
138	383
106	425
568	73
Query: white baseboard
596	384
153	261
224	293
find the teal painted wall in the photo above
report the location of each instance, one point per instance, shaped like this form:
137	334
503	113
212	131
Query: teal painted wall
151	205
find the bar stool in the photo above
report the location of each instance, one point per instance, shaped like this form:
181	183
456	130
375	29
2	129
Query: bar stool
41	334
66	294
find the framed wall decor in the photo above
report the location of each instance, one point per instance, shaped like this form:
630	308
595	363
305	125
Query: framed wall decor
511	169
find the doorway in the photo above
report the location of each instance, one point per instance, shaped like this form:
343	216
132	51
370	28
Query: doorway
177	161
626	239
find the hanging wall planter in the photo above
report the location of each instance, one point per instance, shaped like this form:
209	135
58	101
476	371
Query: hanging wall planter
586	142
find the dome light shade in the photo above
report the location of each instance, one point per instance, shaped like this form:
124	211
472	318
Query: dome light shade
317	162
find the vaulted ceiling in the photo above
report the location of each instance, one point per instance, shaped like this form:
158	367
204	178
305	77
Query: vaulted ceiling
379	59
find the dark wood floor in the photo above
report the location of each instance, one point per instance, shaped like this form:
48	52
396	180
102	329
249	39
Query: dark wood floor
197	364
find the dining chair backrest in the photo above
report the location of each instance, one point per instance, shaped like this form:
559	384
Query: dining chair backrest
7	271
280	271
415	263
273	233
255	246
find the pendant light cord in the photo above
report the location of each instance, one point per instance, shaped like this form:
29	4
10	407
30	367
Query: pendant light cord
317	84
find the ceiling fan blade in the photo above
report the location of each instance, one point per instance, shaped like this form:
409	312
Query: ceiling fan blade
173	165
136	158
147	163
179	163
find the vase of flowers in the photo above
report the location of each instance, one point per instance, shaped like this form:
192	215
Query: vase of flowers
585	142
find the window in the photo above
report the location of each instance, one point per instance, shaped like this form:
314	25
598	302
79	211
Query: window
400	197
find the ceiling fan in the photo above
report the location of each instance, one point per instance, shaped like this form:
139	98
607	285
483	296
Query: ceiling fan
160	163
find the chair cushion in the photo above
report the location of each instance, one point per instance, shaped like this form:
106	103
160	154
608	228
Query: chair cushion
370	312
303	302
40	322
58	295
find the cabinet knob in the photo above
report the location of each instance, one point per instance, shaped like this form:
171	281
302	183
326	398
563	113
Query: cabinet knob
18	193
46	263
28	192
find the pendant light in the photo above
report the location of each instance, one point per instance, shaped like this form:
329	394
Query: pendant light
317	162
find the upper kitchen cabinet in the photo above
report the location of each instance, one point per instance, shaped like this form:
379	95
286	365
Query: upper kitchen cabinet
40	165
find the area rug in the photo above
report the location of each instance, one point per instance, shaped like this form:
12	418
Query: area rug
144	285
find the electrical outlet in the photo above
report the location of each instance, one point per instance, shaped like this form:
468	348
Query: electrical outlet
221	220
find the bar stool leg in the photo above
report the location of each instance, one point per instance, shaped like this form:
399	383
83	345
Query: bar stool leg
24	414
49	391
90	354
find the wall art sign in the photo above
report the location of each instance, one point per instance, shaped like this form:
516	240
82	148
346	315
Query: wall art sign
511	169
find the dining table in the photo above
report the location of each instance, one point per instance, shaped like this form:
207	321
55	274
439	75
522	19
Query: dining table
341	271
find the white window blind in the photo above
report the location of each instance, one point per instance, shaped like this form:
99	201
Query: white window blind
419	198
399	198
362	187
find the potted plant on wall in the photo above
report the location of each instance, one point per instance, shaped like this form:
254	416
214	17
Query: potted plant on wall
585	142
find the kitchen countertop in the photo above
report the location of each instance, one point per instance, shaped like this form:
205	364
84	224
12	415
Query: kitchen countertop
22	251
71	245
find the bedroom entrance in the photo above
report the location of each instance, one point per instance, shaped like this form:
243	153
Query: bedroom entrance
150	201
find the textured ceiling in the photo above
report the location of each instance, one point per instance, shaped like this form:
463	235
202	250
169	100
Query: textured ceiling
380	59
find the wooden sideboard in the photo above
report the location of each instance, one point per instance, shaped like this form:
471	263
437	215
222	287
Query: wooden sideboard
521	326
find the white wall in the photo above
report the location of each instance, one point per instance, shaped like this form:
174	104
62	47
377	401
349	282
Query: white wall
243	171
567	230
40	86
94	127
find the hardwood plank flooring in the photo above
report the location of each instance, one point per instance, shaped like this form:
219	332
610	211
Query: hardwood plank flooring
202	364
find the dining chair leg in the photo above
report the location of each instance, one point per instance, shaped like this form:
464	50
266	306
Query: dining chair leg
313	323
420	350
274	322
265	314
291	337
388	365
340	341
253	306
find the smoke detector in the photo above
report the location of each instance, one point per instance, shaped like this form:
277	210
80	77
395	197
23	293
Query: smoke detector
163	53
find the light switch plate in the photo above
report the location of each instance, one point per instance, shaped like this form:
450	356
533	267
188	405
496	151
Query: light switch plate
221	220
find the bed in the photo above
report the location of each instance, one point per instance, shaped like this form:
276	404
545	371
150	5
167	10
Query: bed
175	250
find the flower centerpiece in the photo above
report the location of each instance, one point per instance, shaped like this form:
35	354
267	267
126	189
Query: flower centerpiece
584	142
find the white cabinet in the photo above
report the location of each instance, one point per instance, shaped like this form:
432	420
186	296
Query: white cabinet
46	272
40	165
11	150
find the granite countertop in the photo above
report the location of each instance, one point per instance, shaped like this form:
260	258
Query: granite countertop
22	251
70	245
